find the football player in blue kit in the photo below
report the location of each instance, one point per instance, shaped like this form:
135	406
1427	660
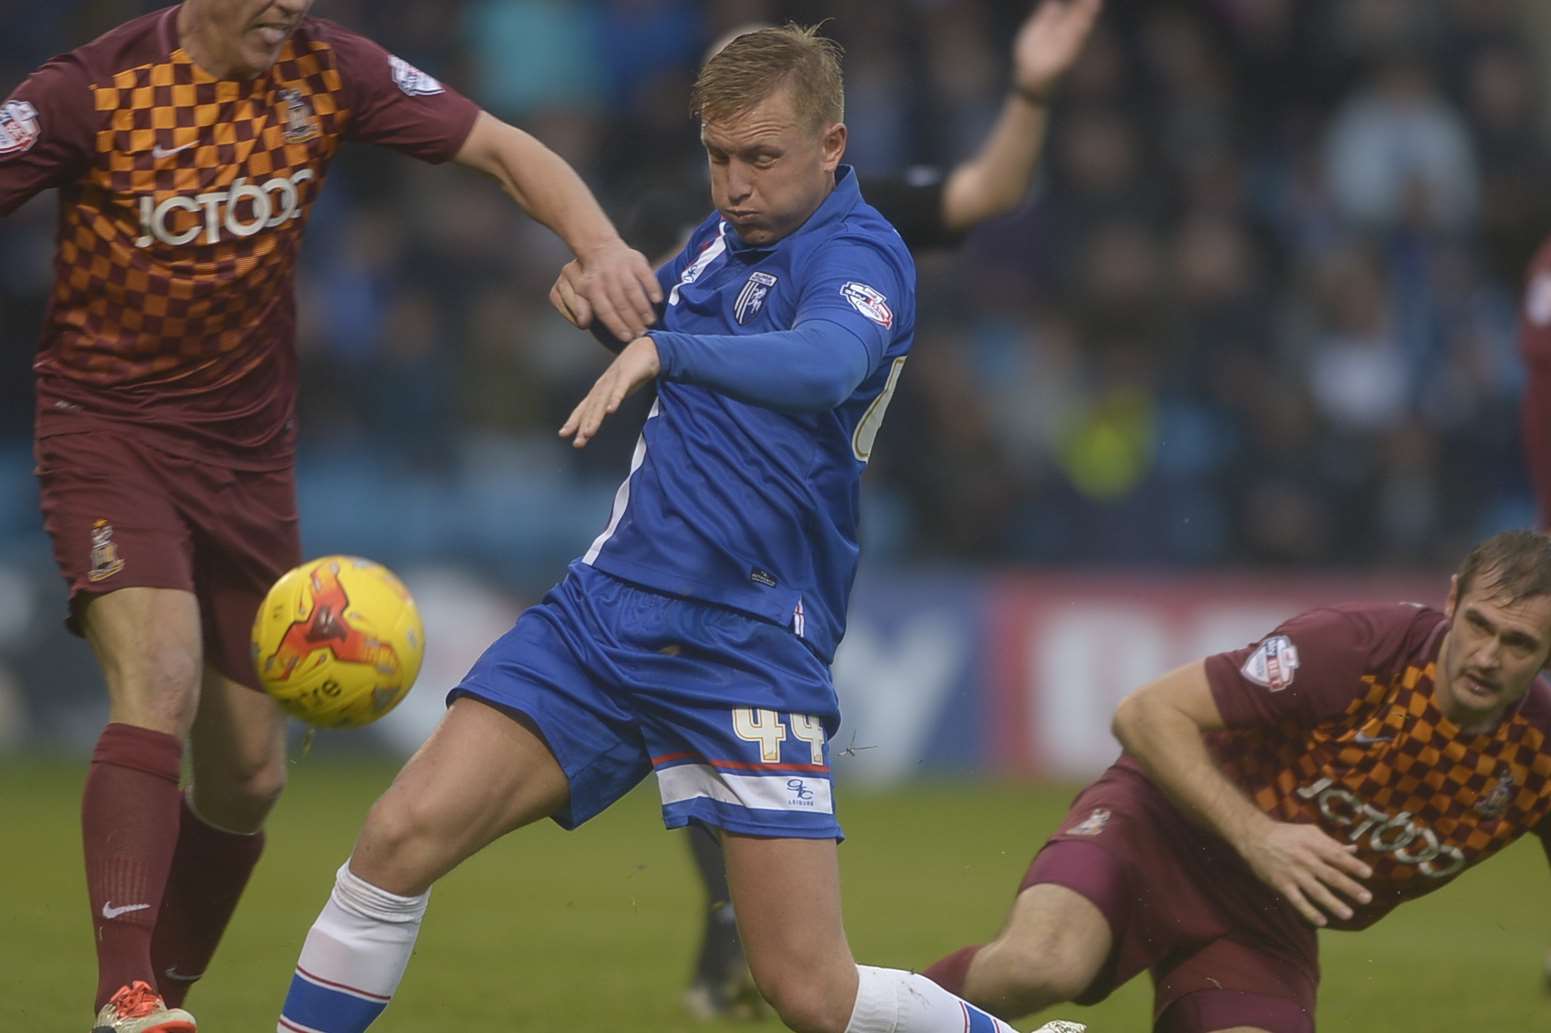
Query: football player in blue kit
694	637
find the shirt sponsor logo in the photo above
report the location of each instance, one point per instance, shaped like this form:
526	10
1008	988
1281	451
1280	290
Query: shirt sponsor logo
1401	835
869	303
752	297
412	80
240	212
19	128
105	560
1273	664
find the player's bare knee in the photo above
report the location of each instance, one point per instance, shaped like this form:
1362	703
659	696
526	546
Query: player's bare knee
157	691
241	797
1025	973
805	1001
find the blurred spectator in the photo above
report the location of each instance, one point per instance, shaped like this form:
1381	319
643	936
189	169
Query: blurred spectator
1260	309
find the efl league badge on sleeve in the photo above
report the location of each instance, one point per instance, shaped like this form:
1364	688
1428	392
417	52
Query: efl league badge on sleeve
19	128
1273	663
411	79
869	303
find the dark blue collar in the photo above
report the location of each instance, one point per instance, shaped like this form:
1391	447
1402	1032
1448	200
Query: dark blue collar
841	200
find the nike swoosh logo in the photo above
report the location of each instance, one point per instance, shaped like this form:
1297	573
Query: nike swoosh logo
173	973
159	152
1369	740
109	911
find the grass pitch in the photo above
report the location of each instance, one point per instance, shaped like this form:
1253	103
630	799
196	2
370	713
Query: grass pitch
595	929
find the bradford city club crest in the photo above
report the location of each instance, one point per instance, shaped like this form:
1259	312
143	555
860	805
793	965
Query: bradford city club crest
752	297
1494	802
301	122
105	557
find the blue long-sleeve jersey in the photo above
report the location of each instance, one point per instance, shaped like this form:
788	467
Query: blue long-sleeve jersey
778	363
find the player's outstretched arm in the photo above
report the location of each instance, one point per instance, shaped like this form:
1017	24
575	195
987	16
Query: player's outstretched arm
1162	726
995	180
615	281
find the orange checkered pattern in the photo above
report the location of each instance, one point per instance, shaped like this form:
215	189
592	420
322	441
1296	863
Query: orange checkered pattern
216	165
1421	800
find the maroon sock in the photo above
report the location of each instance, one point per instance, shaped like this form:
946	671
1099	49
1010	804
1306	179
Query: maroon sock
209	870
951	972
129	823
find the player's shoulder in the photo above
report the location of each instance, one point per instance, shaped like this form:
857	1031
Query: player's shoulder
148	39
1536	708
1389	634
864	234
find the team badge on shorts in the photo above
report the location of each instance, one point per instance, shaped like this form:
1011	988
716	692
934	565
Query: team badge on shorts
105	558
301	122
412	80
1273	663
868	302
752	297
19	128
1092	825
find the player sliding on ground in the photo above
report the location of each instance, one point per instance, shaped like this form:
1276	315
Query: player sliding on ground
694	637
188	146
1356	758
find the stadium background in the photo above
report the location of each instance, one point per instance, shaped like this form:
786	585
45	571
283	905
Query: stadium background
1250	346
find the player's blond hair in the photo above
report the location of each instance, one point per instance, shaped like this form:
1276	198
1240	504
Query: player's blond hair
755	64
1513	565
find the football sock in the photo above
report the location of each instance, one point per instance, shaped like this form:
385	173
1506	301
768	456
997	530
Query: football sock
889	1000
721	951
354	957
951	972
129	824
210	868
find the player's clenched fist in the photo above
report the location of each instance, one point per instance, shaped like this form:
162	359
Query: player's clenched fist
613	283
636	365
1308	869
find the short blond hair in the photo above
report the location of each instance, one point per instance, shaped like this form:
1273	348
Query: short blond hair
755	64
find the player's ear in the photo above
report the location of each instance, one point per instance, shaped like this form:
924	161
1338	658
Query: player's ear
833	145
1453	603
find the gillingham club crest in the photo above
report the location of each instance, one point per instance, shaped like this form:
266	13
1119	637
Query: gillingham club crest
752	297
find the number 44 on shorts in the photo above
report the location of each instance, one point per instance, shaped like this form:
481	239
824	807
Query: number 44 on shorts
765	727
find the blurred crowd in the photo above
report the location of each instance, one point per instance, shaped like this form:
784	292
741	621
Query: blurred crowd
1259	309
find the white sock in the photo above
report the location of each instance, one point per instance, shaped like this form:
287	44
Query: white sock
889	1000
354	957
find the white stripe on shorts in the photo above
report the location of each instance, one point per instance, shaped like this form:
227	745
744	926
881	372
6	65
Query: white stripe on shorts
756	792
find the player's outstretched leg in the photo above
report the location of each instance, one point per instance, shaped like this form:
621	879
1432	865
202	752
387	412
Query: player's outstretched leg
1053	946
239	772
721	986
787	892
480	775
147	641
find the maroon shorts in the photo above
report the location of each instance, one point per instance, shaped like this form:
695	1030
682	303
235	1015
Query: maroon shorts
124	515
1222	950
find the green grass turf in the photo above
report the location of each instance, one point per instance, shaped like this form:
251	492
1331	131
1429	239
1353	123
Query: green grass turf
595	929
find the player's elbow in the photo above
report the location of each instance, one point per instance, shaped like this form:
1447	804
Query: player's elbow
1130	718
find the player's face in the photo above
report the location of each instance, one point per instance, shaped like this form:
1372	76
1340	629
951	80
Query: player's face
1491	653
245	36
769	169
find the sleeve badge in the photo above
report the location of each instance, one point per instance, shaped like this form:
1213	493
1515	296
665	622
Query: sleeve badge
1273	664
19	127
868	302
412	80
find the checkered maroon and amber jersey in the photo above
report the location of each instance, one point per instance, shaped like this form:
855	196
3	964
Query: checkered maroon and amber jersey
1331	720
183	201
